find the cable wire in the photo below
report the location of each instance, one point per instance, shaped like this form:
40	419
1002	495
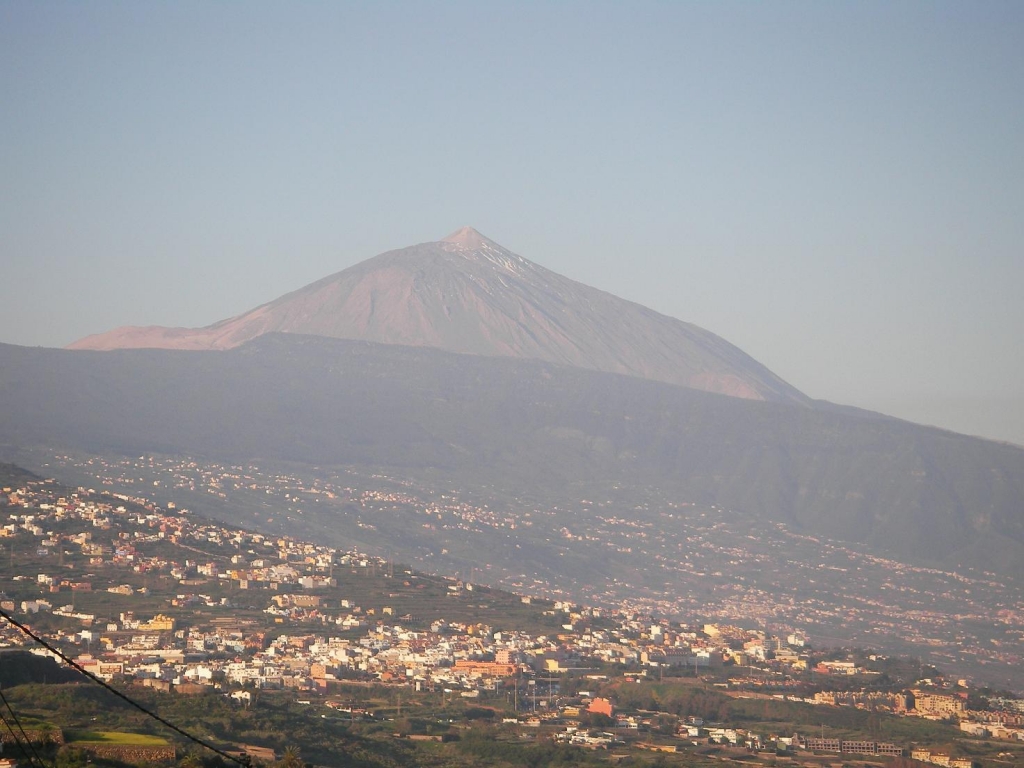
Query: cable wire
16	739
244	760
14	736
28	741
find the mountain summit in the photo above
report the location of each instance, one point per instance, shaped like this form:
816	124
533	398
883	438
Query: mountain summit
468	294
469	238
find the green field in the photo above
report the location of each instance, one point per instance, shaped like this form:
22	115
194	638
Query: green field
114	738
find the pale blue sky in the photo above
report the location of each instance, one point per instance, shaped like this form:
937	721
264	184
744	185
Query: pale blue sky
837	188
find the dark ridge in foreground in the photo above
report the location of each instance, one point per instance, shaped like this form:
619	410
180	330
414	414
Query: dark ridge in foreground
914	492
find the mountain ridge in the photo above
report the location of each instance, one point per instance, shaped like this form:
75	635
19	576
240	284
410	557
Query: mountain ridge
923	493
467	294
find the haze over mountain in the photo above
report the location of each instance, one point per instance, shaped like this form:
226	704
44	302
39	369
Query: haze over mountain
468	294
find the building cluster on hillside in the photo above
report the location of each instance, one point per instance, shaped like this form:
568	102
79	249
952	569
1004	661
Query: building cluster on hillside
941	758
448	655
818	585
1004	719
851	747
323	641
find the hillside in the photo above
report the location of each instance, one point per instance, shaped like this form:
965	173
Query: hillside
268	645
914	492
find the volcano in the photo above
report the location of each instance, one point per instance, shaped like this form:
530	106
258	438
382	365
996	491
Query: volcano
467	294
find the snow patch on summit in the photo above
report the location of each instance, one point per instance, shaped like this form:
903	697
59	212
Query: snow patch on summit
470	243
507	261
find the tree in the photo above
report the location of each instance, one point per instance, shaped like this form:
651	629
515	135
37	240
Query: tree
71	757
291	758
666	724
596	720
47	733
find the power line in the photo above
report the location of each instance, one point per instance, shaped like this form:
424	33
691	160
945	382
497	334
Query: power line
242	761
24	735
17	739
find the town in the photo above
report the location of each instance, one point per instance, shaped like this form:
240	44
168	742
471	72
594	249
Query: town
665	556
160	598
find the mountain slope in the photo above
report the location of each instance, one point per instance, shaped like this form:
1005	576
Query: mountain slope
915	492
468	294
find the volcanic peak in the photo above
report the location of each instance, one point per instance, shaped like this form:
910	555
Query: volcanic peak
470	243
469	238
468	294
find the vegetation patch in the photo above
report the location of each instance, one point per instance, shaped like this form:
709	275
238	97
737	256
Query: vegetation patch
115	738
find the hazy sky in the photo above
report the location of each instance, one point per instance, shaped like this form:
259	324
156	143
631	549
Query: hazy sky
836	188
